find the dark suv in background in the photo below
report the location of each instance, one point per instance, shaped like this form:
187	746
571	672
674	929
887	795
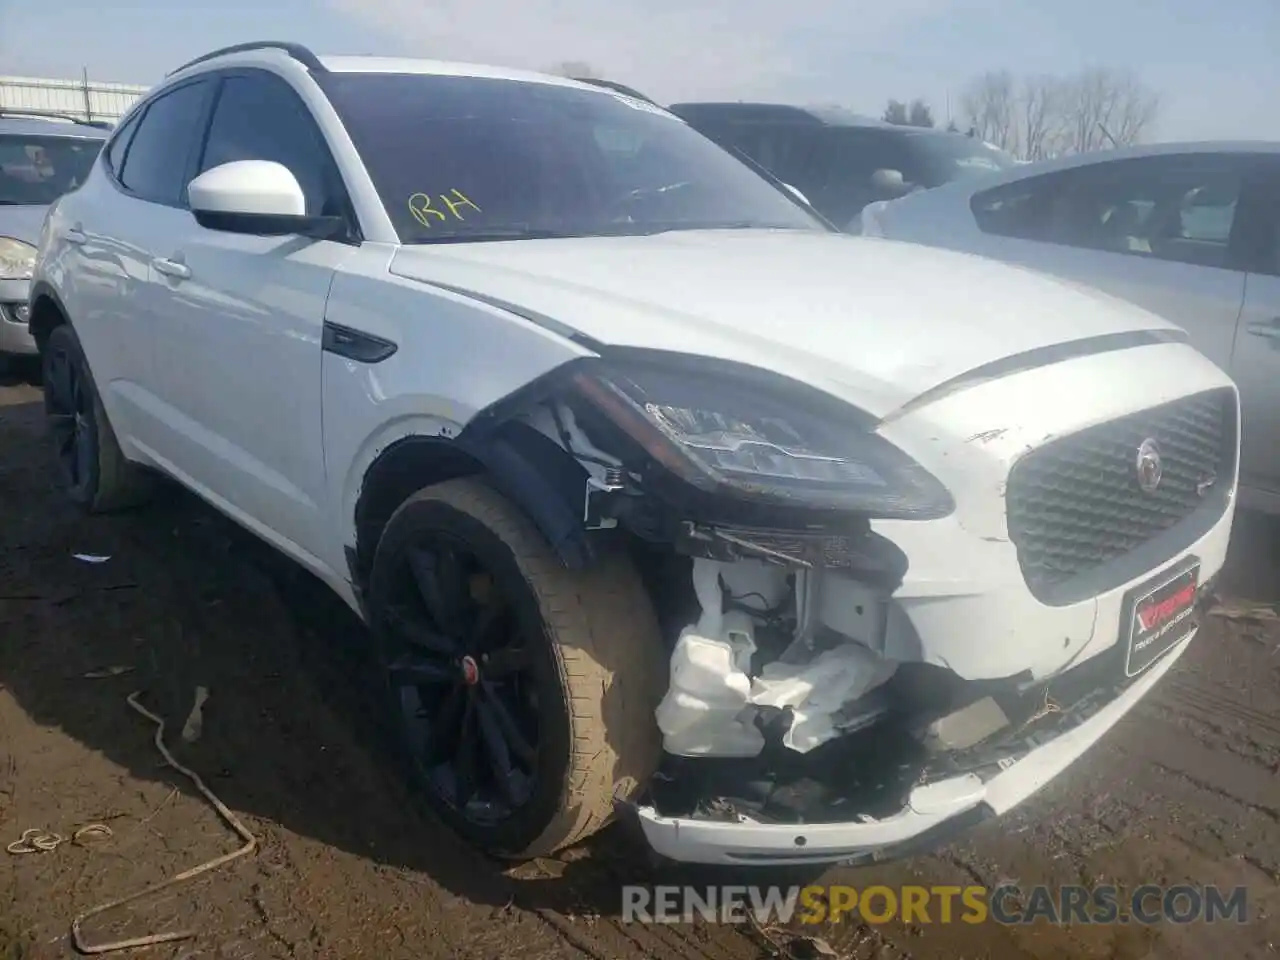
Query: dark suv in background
842	161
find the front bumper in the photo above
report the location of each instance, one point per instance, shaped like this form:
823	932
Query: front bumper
14	335
966	608
930	809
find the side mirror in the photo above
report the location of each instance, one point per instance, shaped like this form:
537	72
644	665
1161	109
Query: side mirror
258	197
888	184
798	195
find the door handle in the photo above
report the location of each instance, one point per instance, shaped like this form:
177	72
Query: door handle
171	268
76	235
1265	328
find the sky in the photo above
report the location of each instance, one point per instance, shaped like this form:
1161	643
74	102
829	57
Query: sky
1215	63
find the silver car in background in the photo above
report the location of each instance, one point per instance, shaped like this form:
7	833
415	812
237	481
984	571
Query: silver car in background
1190	231
41	158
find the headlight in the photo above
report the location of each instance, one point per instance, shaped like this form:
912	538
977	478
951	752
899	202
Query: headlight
743	433
17	259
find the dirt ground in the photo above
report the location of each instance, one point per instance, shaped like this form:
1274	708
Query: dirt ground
1185	790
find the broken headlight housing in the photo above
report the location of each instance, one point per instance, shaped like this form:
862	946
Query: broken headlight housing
744	433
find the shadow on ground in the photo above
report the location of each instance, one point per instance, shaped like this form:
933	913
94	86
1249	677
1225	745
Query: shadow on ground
19	371
293	735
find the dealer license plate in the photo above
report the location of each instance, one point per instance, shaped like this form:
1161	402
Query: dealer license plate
1158	615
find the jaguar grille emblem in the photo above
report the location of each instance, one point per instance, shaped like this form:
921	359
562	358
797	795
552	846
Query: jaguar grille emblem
1148	466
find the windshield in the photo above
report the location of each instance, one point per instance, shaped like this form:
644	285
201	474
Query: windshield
942	159
473	158
924	159
39	169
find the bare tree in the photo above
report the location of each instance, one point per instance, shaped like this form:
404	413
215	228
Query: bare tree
576	68
1139	110
1041	117
1088	109
917	113
920	115
1044	115
1109	108
895	112
989	107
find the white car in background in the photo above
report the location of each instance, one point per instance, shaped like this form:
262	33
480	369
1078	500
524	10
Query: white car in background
659	494
42	156
1189	231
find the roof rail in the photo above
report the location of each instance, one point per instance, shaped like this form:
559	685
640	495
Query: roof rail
296	50
616	87
53	115
783	112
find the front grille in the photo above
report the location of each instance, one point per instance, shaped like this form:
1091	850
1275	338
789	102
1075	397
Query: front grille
1075	503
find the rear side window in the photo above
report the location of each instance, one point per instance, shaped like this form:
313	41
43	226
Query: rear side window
1180	209
259	117
155	164
38	169
1018	210
120	144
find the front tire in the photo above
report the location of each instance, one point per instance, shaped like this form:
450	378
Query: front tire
523	692
93	469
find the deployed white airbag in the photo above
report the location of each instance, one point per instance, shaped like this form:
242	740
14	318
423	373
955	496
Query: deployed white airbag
816	691
710	706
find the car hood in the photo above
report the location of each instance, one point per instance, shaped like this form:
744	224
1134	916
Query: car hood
875	322
22	221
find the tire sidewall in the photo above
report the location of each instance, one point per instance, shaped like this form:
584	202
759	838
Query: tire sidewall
63	340
424	515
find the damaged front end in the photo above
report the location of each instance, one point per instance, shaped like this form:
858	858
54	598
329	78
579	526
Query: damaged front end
798	696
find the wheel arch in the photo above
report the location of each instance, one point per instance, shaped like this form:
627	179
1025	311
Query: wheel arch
523	464
47	312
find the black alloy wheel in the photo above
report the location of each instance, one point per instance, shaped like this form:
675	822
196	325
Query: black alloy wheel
460	670
71	416
522	690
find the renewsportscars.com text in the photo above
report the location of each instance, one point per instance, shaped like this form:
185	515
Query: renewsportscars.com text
1006	904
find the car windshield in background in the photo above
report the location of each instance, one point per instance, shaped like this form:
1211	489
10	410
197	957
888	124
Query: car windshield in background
942	159
40	169
477	158
925	158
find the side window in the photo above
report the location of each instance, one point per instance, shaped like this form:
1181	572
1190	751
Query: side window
1018	210
1179	209
155	163
261	118
120	143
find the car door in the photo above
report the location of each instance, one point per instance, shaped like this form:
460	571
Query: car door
240	340
113	226
1255	363
1158	231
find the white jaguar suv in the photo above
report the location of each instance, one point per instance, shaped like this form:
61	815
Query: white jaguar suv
663	499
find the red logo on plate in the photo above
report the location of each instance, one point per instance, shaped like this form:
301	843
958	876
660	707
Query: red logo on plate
1157	613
